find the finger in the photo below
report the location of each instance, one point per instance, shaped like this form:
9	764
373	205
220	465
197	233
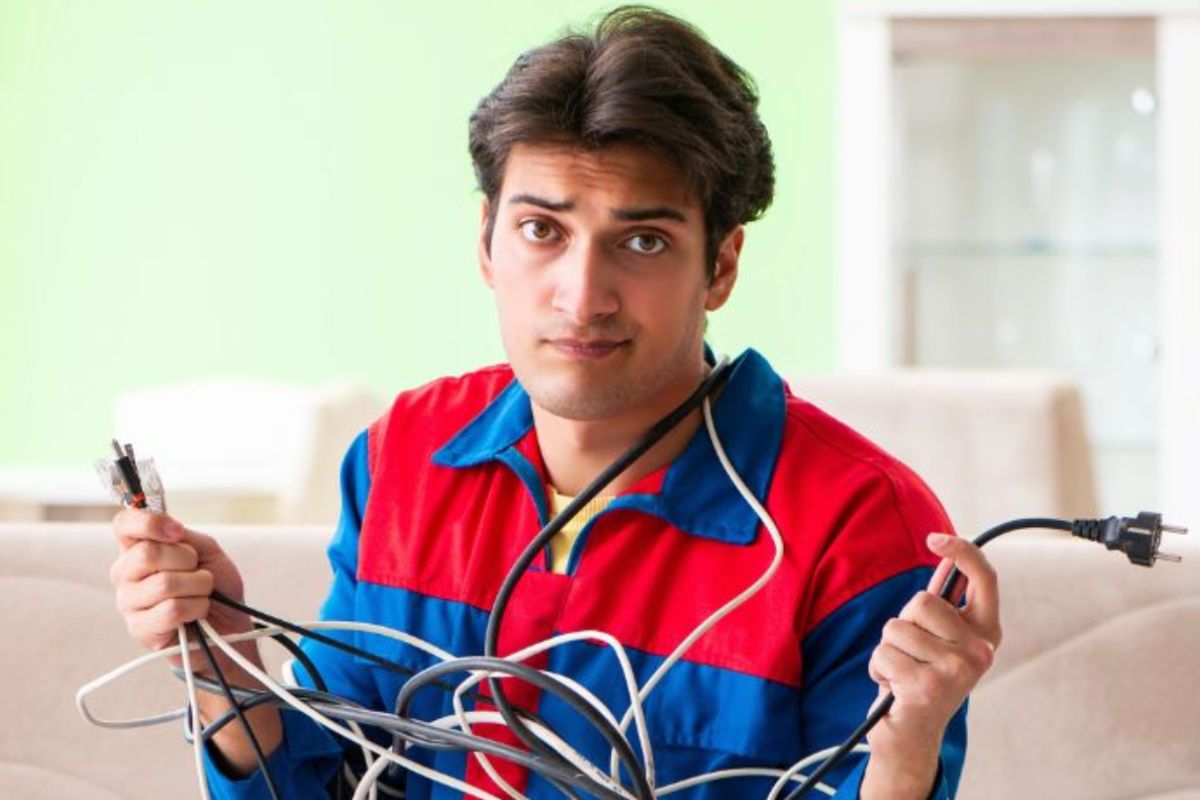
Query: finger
878	677
915	641
170	614
160	586
155	627
884	690
876	673
936	616
206	546
146	557
893	665
135	524
983	595
132	525
938	579
961	663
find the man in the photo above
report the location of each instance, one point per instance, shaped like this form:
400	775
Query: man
618	170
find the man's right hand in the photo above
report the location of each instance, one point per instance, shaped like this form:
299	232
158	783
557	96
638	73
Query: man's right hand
164	576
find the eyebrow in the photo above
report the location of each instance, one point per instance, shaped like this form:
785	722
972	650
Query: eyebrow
643	214
621	214
541	202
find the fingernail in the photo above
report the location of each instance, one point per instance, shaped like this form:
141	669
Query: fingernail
174	530
936	540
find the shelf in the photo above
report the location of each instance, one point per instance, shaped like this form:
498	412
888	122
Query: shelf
1032	249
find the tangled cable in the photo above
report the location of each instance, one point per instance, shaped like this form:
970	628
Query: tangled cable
548	754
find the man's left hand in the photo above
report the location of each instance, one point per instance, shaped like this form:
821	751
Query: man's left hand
931	656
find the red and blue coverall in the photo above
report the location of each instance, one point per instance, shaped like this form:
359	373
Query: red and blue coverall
443	492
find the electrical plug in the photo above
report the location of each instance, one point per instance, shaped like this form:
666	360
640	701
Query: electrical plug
1137	537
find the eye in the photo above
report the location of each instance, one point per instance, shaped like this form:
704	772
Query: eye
537	230
646	244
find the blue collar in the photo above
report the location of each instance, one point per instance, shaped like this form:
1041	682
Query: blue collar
696	496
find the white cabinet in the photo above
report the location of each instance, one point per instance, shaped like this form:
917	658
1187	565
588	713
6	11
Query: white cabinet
1005	186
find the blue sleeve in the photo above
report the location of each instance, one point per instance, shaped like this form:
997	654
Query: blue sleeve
309	756
343	675
301	766
839	691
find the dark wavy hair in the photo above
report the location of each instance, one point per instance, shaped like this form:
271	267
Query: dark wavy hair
641	76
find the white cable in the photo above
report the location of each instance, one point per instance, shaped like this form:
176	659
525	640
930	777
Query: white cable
197	735
288	672
198	728
379	766
548	736
545	734
225	643
369	780
370	761
85	691
481	758
91	687
376	786
793	772
462	719
630	684
738	772
746	594
368	783
326	722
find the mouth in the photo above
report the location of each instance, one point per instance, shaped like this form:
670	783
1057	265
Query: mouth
587	349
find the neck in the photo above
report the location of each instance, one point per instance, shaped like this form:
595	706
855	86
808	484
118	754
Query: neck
576	451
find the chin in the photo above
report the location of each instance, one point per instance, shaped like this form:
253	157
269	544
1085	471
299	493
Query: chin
583	401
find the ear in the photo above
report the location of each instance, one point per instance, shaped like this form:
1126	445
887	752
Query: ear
726	272
483	248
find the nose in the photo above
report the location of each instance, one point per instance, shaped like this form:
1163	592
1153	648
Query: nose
584	289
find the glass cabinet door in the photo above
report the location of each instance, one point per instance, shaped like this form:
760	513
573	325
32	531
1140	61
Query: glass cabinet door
1025	215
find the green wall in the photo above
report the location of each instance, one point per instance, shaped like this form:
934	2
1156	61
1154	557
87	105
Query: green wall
281	188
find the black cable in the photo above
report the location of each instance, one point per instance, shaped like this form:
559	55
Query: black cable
949	589
318	681
715	377
1138	538
555	769
547	684
259	757
337	644
512	716
127	466
413	730
250	699
500	605
298	653
316	636
430	675
315	676
136	497
419	733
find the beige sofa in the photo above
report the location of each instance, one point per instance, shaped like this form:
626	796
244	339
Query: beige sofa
992	445
1093	694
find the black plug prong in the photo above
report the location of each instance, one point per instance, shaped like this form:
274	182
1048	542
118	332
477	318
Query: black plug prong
1174	529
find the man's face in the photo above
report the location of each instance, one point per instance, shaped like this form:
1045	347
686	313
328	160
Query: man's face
597	265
